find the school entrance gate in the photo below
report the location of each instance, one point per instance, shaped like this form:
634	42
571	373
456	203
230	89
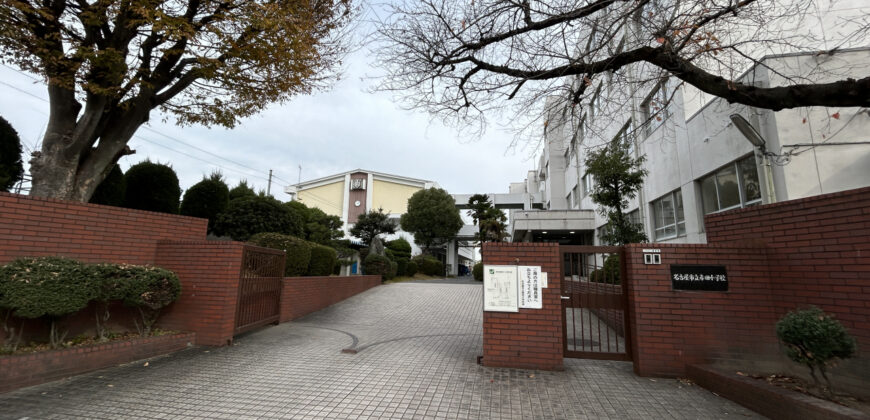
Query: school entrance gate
594	296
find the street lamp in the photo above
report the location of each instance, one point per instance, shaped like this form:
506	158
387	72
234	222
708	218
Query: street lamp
752	135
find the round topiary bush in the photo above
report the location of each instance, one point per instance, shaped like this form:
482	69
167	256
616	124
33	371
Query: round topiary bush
246	217
401	267
323	260
206	199
477	271
814	339
298	251
11	166
411	269
394	268
400	247
377	265
49	287
149	289
152	186
111	191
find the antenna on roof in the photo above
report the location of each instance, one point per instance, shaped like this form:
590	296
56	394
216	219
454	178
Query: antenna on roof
300	174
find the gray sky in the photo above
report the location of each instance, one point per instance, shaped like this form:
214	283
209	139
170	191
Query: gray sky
330	132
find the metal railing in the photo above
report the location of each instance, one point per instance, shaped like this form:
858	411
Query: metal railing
260	281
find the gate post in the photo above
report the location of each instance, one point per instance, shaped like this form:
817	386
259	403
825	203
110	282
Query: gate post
530	338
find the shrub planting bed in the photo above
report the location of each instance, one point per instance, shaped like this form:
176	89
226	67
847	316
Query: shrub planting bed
22	370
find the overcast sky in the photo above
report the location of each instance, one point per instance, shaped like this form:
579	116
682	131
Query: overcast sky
326	133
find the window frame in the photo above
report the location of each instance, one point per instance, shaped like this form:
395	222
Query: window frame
679	219
741	187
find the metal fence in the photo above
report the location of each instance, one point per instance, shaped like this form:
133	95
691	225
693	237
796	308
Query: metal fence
594	302
260	281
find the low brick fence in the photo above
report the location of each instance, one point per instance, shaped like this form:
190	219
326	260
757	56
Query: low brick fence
19	371
304	295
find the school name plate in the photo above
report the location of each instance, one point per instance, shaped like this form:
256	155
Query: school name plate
500	288
712	278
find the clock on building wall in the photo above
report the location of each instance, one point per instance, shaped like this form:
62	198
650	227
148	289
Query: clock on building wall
356	203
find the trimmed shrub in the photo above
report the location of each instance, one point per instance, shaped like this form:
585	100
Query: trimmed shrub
429	266
49	287
11	166
298	251
401	248
477	271
149	289
152	186
377	265
206	199
402	267
609	273
242	190
815	339
411	269
111	191
246	217
323	260
394	267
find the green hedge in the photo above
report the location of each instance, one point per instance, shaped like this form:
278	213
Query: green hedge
298	251
375	265
53	287
477	271
411	269
429	266
323	260
402	267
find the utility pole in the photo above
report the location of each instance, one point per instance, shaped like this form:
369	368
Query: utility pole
300	174
269	185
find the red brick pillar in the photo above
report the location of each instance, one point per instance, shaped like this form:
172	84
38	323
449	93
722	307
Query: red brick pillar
530	338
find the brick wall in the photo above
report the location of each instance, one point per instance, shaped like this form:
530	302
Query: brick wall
819	250
304	295
30	369
530	338
210	282
44	227
675	328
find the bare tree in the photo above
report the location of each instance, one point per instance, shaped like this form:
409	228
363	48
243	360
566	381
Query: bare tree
463	59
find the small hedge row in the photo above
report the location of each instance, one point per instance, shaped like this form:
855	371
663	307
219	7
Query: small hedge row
477	271
303	258
429	265
53	287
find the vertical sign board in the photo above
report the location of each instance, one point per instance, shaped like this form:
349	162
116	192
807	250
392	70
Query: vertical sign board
500	288
530	287
699	277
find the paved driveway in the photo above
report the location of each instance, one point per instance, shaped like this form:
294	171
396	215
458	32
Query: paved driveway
416	345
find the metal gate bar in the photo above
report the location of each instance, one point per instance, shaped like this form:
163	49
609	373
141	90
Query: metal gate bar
260	282
595	324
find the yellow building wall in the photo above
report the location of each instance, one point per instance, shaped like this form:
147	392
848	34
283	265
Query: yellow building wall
392	197
329	198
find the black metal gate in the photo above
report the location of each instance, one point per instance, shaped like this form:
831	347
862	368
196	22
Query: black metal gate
595	322
260	281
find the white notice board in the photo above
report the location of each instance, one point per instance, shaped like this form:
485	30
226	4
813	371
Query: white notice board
530	286
500	288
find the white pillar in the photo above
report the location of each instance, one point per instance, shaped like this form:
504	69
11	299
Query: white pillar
452	258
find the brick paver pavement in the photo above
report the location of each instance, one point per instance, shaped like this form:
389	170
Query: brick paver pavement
416	346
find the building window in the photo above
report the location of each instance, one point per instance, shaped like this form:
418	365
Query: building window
654	109
668	216
587	184
733	186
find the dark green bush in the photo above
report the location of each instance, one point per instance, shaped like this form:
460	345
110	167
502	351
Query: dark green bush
111	282
477	271
609	273
249	216
242	190
149	290
298	251
814	339
49	287
11	167
375	265
401	248
207	199
152	186
429	265
323	260
394	268
401	267
411	269
111	191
